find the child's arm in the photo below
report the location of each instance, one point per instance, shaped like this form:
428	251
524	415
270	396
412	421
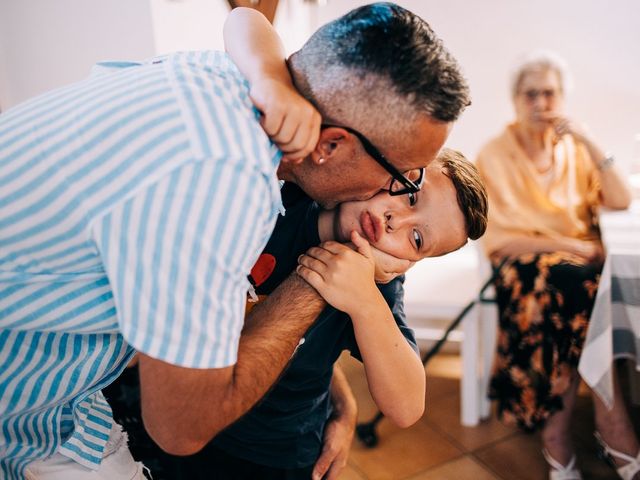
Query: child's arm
338	434
255	47
394	371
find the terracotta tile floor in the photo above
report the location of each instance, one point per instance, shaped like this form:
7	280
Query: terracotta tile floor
439	448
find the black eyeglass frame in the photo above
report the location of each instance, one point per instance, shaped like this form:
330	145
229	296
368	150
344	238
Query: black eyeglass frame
409	185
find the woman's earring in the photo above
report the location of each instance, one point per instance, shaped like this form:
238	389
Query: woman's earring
321	160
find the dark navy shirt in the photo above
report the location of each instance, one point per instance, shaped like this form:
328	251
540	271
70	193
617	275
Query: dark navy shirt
285	428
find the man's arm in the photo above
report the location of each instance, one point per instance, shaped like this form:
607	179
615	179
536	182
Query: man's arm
183	408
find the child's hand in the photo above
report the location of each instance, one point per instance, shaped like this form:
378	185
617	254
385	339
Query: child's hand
342	276
287	117
389	267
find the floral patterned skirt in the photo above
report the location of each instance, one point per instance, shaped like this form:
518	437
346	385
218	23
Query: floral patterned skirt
544	301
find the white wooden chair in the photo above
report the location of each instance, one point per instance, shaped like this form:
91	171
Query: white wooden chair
439	288
478	349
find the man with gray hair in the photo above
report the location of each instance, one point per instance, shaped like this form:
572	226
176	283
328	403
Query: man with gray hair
134	205
379	69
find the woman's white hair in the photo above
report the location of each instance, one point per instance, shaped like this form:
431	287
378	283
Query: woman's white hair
541	60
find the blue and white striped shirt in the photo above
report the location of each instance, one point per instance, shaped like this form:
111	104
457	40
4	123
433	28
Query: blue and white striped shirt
132	207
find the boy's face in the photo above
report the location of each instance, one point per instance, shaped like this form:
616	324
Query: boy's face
429	225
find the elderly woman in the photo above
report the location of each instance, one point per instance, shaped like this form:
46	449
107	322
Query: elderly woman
546	178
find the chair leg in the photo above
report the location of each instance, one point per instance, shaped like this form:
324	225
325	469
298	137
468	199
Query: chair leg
469	387
488	327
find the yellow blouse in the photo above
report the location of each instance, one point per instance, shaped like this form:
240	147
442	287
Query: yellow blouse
522	201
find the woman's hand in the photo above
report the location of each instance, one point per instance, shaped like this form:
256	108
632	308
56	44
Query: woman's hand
590	251
563	125
615	192
287	117
342	276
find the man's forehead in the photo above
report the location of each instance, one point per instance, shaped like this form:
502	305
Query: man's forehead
421	148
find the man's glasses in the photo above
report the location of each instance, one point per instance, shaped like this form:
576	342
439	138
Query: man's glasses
401	184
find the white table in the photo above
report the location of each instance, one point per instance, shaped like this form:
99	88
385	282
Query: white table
614	327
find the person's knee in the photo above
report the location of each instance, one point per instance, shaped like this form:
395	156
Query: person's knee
574	274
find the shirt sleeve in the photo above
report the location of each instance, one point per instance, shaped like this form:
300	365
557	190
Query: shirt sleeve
177	255
393	293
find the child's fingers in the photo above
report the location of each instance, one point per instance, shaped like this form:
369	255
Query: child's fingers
311	134
286	136
304	140
295	148
311	277
300	153
272	121
296	155
320	253
334	248
312	263
361	244
298	147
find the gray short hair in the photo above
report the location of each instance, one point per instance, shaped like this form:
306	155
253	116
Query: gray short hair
541	60
380	50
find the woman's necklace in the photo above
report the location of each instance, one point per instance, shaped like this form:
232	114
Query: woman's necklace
539	154
543	162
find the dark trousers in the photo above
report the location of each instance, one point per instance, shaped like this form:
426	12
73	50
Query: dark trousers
213	464
208	464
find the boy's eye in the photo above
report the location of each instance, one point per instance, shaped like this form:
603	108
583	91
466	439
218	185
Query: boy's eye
412	199
418	239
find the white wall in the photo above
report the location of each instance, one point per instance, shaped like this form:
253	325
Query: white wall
188	25
197	24
45	44
599	39
48	44
4	78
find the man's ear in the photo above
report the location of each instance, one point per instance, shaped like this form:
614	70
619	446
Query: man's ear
331	140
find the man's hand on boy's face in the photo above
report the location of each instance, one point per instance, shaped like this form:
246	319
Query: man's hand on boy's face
389	267
287	117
